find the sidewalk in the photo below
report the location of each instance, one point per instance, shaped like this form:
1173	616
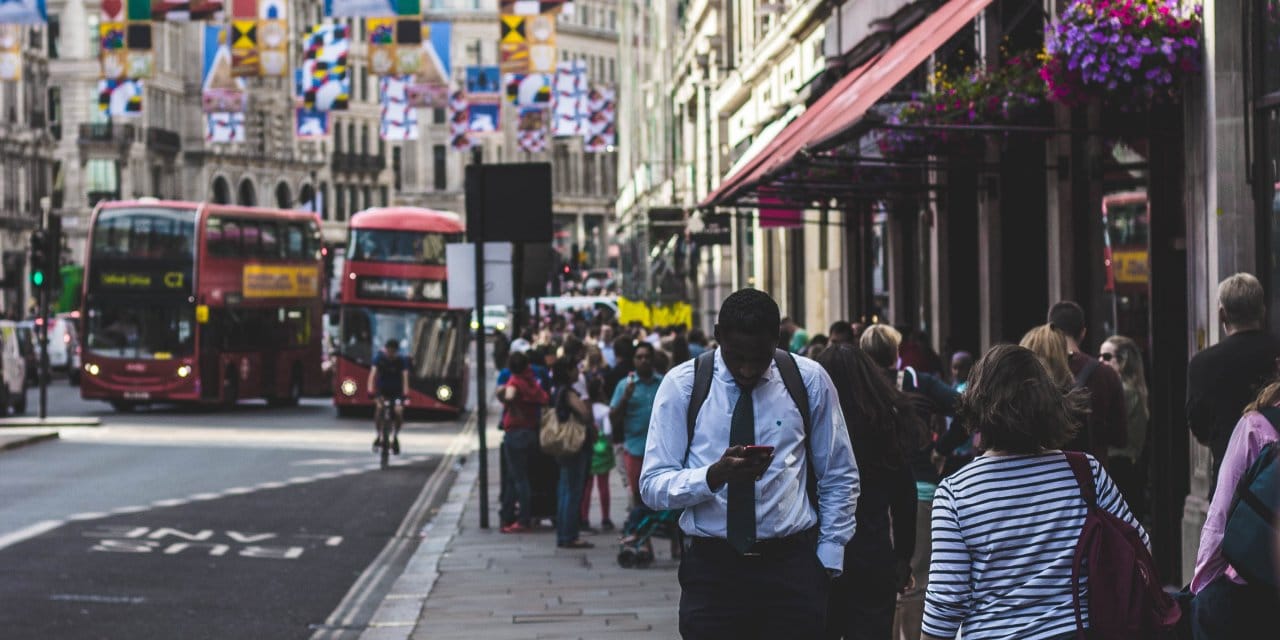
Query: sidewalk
16	438
482	583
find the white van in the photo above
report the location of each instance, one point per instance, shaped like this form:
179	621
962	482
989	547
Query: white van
62	343
13	393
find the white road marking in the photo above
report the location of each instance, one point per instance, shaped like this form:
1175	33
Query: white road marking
78	597
130	509
237	491
87	515
204	496
271	485
172	502
32	531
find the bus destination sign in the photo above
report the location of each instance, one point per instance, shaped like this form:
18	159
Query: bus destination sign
144	280
275	281
400	289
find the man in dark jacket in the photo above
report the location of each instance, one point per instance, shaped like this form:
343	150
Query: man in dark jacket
1224	378
1107	423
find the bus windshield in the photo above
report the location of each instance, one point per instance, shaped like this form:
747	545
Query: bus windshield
145	331
145	233
413	247
431	339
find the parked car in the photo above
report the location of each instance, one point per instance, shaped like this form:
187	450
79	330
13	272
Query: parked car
13	391
62	343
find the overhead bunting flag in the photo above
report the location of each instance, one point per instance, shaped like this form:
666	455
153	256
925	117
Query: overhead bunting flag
224	127
125	40
372	8
529	90
602	133
399	118
178	11
323	82
23	12
527	44
483	116
220	91
483	82
569	106
120	97
259	38
531	132
10	52
535	7
459	122
396	46
309	124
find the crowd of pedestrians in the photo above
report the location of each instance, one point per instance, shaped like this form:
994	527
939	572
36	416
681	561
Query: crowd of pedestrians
846	485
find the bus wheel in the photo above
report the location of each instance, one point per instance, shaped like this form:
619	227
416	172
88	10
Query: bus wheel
294	393
230	388
123	406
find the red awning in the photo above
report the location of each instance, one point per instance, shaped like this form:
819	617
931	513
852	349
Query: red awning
847	102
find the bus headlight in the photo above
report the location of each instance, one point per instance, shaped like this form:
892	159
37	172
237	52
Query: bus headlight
92	369
348	387
474	325
184	371
501	326
444	393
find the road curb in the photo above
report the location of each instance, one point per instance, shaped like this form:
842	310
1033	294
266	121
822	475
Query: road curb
398	615
74	421
8	443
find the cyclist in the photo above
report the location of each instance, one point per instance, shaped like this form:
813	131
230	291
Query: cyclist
388	381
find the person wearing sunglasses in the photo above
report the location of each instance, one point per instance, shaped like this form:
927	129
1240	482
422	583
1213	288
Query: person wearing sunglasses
1122	354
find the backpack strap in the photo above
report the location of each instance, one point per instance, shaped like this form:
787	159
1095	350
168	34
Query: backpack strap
1082	378
703	368
791	379
1084	477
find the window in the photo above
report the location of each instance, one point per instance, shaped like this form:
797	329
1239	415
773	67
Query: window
340	202
324	200
159	234
55	36
103	175
270	240
364	139
380	245
438	157
437	116
368	197
337	138
354	195
250	238
384	196
222	237
151	330
295	241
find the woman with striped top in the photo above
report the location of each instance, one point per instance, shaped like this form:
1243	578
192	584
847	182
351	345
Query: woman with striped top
1005	527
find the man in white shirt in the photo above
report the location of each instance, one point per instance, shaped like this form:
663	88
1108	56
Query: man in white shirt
759	553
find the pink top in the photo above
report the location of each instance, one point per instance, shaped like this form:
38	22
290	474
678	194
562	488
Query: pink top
1251	434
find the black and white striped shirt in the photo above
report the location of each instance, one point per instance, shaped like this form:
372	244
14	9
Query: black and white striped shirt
1004	535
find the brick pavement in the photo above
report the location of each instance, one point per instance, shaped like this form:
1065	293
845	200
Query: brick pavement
481	583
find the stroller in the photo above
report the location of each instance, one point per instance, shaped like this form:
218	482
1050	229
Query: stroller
644	524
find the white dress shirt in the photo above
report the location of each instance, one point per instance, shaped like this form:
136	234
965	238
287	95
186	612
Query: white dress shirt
667	481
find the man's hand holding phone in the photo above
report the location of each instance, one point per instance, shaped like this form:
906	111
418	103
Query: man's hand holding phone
740	462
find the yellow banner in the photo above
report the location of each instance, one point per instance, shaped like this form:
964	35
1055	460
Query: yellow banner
271	281
656	315
1131	267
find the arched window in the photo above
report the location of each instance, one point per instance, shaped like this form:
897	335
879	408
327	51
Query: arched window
248	194
284	199
221	191
307	198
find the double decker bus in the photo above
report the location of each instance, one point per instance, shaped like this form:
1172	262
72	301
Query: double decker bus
201	303
393	286
1126	220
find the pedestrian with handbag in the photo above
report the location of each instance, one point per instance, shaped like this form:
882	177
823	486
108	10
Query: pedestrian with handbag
572	415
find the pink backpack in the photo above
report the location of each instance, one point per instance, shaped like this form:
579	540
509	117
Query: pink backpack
1126	599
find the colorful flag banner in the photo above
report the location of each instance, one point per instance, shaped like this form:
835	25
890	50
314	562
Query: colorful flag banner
459	122
259	38
527	44
10	52
224	127
531	132
399	118
310	124
483	116
483	83
121	98
529	90
372	8
220	91
23	12
323	82
569	105
125	40
179	11
535	7
429	85
602	133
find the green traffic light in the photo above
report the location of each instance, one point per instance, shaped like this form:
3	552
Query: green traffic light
37	278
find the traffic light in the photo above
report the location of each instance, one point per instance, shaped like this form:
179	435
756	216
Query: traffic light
39	259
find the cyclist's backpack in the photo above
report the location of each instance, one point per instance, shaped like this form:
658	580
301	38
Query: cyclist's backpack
704	367
558	437
1126	598
1249	541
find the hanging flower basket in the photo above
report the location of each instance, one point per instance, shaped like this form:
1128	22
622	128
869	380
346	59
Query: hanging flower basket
997	95
1130	54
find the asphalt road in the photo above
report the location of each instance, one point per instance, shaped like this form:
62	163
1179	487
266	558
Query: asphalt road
171	523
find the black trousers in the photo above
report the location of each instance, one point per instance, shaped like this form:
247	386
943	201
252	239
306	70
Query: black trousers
782	594
861	608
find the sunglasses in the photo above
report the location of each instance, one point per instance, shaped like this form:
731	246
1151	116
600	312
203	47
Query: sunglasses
1106	357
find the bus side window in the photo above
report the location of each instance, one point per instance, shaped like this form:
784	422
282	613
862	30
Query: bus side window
270	239
224	237
250	235
295	241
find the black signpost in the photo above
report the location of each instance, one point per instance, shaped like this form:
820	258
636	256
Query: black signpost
504	203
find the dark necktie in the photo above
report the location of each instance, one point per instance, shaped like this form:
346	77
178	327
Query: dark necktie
741	521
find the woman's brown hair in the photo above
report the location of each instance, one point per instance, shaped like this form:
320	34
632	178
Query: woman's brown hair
1269	396
1016	406
1051	347
883	427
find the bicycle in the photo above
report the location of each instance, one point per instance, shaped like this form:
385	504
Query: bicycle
384	424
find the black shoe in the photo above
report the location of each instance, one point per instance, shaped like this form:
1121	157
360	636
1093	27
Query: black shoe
607	525
395	445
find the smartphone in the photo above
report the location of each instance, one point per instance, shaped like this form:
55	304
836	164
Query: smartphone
762	450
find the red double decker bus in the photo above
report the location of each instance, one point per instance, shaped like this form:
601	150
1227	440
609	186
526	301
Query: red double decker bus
393	286
204	303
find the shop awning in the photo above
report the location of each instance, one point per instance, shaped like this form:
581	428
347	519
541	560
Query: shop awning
845	104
